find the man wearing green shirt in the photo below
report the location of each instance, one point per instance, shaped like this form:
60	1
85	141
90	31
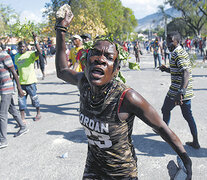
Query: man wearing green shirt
25	63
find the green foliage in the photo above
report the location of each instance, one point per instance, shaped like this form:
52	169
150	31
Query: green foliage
84	12
112	14
24	31
123	55
118	19
193	13
11	27
161	32
129	22
7	14
204	30
134	66
121	77
96	17
178	24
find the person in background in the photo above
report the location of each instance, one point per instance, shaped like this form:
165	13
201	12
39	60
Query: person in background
125	47
188	44
157	52
13	52
6	98
129	46
43	62
201	46
196	45
166	52
25	63
204	49
86	40
181	90
78	42
137	51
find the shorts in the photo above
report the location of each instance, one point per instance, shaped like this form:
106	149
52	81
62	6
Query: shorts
31	90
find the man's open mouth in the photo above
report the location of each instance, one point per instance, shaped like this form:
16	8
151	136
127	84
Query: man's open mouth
97	72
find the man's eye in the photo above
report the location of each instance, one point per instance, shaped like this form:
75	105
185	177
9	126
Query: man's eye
109	56
95	52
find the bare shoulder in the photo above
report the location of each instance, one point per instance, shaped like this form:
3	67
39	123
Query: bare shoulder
132	101
135	104
134	97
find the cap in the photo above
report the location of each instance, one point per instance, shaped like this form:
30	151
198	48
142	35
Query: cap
76	37
84	36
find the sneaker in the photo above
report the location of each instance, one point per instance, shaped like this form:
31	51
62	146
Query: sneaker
21	132
3	145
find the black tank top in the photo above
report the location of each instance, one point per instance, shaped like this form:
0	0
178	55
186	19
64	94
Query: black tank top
110	149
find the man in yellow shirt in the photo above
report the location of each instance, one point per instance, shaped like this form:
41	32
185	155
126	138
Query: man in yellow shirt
77	40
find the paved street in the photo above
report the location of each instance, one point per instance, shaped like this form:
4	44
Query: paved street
38	154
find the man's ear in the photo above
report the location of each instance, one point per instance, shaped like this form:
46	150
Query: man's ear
117	71
118	67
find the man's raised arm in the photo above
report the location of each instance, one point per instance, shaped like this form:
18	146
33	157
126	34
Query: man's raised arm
63	72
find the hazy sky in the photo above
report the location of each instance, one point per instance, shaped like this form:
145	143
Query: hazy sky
143	8
32	9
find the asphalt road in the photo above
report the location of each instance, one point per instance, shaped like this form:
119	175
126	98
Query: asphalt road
39	154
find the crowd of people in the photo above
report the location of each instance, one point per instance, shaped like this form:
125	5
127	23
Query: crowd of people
23	74
161	52
107	106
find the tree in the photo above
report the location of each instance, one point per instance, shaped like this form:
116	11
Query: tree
96	17
164	18
7	14
112	14
84	12
178	25
87	18
192	14
24	31
118	19
10	26
129	21
201	4
50	11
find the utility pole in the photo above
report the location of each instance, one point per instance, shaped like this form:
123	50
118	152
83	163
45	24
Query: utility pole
149	33
165	27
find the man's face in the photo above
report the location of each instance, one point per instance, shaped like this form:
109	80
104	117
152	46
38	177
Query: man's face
22	48
77	42
100	63
171	44
86	40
